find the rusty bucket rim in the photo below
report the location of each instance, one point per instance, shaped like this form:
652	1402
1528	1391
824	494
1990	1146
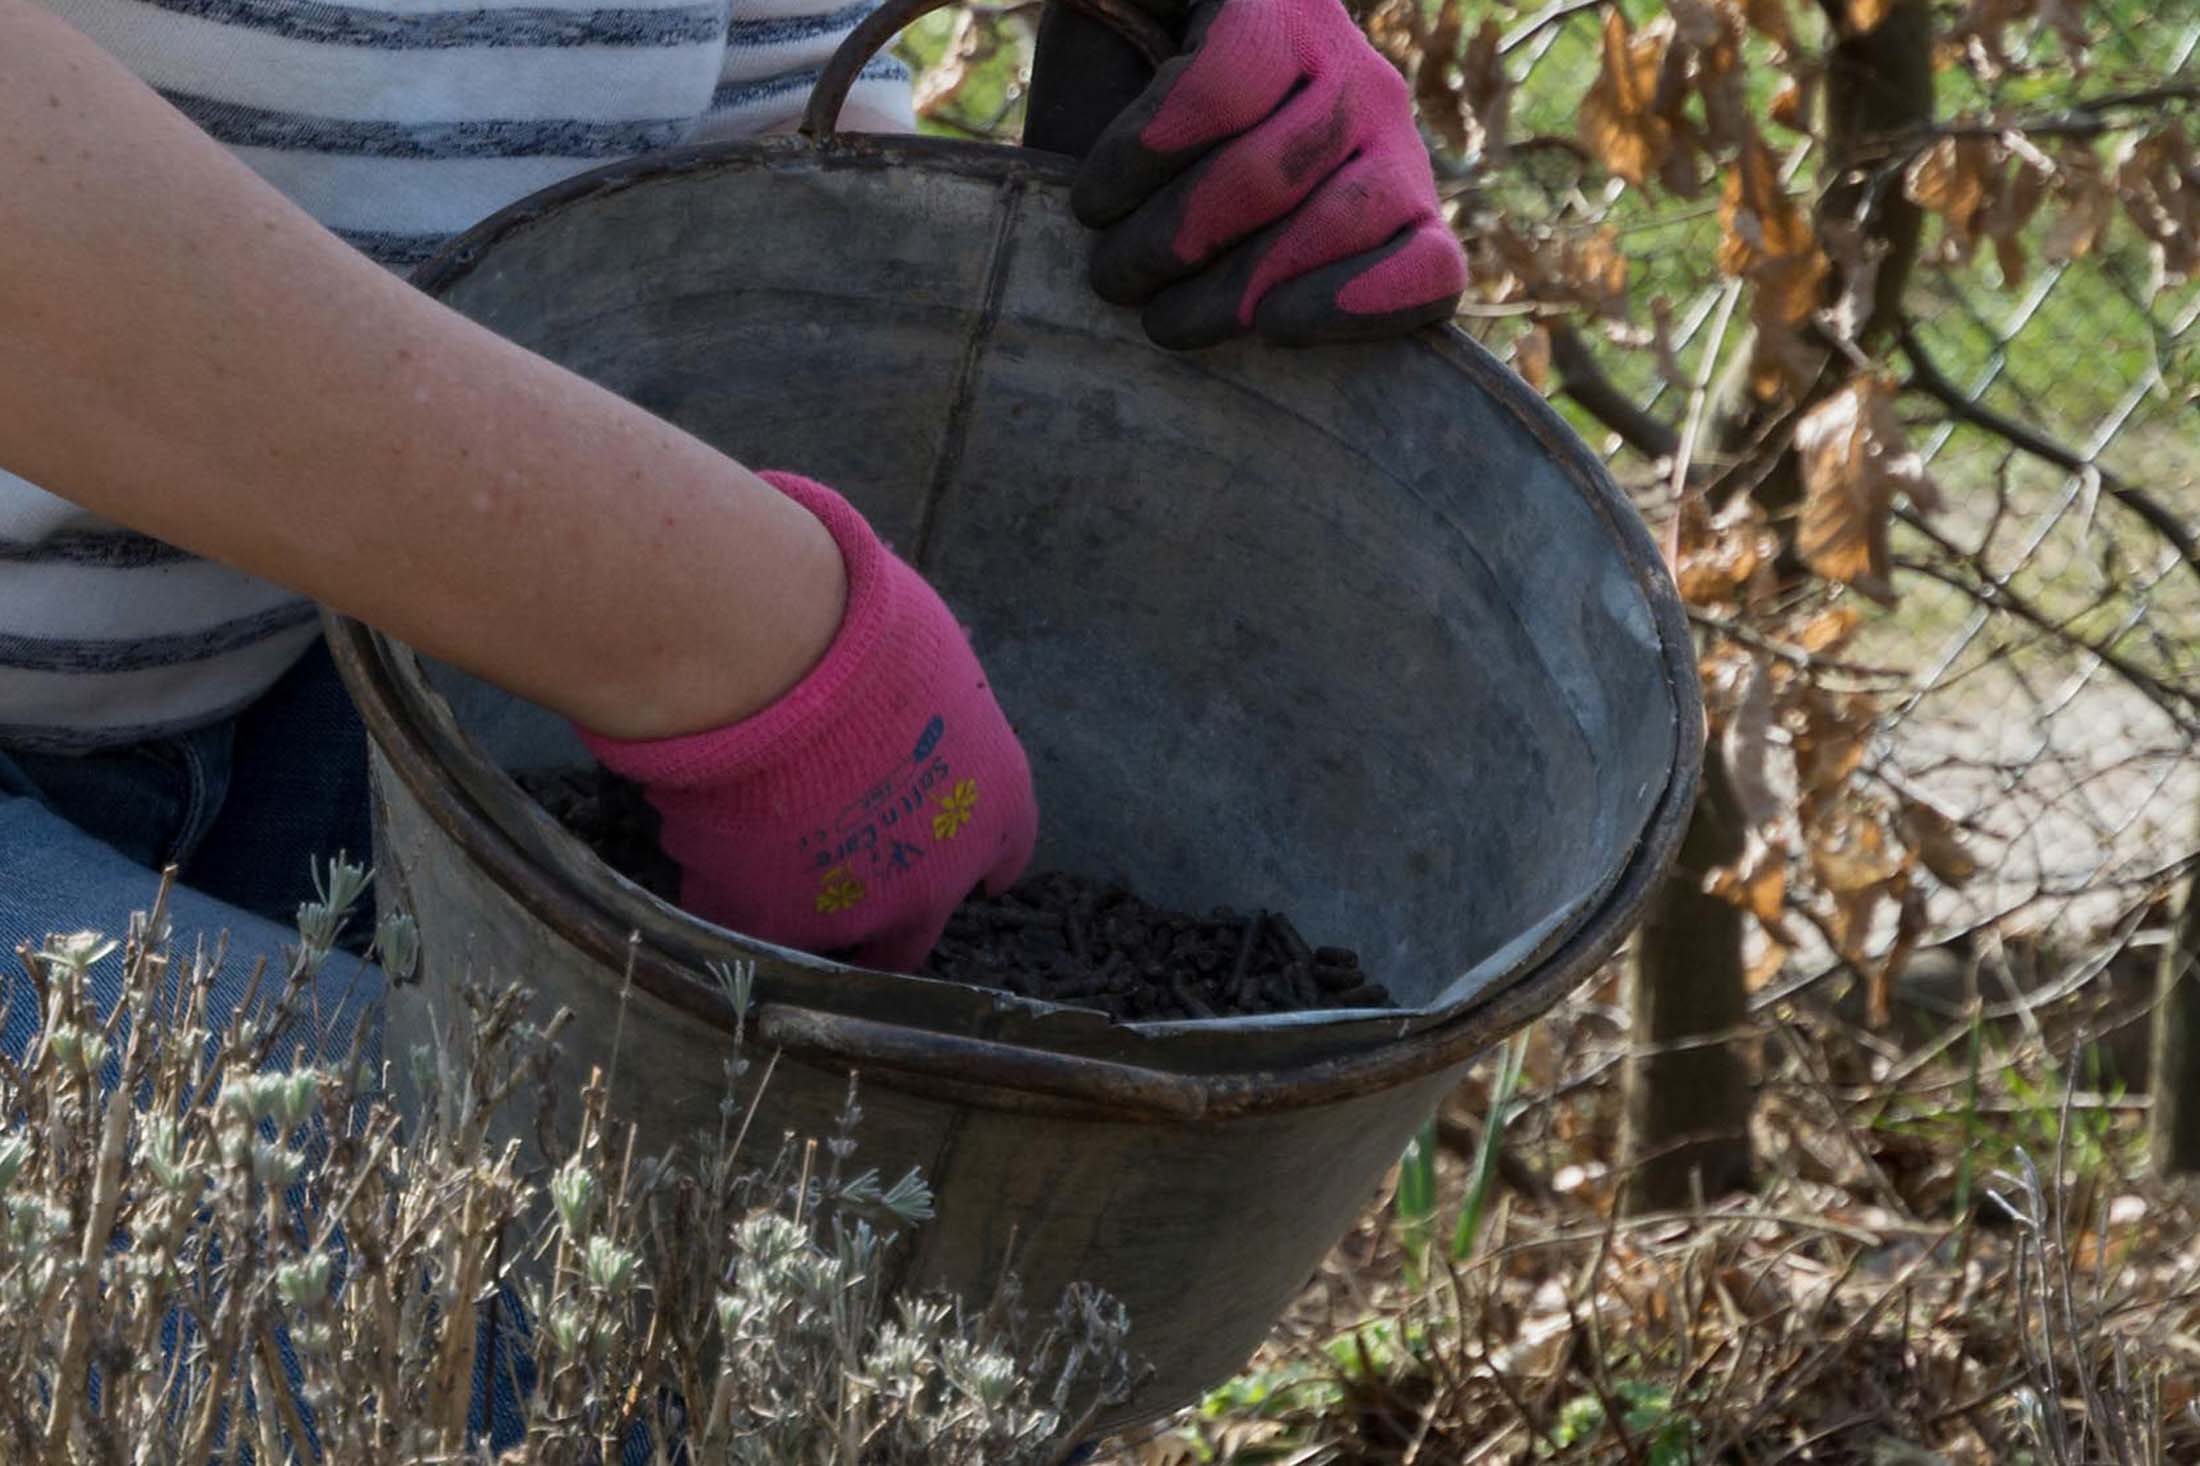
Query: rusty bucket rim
972	1067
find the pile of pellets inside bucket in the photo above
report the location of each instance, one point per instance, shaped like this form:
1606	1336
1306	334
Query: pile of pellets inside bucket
1055	937
1067	939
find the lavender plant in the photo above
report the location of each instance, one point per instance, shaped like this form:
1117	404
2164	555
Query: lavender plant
218	1243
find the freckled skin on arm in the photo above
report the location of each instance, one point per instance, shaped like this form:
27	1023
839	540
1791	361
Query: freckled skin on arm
188	354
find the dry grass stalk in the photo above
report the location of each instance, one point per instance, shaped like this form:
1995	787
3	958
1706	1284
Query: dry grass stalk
194	1214
1956	1257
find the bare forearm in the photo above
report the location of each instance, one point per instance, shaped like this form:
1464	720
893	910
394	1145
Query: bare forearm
188	354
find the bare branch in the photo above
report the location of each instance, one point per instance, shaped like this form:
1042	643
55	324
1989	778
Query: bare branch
2089	117
1582	379
1549	142
1743	634
1927	378
1993	592
1554	14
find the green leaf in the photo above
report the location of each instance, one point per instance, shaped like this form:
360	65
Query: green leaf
1416	1200
1471	1215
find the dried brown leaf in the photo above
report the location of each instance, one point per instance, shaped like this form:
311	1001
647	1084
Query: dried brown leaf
1507	264
1830	741
1855	461
1855	857
1843	534
1976	36
1936	180
1532	357
1756	216
1865	15
2016	200
1397	30
2022	193
1769	18
1699	23
1857	867
1790	106
1485	87
1746	742
1856	258
1782	363
1172	1448
1910	926
2160	188
1764	890
1441	104
1767	239
1592	272
1676	70
1620	123
1715	559
1789	286
1938	843
1829	630
1957	178
1758	886
2082	188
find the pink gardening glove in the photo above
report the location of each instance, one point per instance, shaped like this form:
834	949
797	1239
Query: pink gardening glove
852	815
1270	180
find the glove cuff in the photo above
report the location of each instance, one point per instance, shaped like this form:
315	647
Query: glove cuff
810	714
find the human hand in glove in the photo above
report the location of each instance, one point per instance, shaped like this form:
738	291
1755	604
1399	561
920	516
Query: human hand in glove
854	813
1270	180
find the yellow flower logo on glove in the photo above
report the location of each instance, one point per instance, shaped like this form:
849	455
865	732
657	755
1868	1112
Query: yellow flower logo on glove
838	889
955	809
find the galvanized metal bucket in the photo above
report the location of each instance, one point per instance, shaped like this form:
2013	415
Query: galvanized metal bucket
1363	634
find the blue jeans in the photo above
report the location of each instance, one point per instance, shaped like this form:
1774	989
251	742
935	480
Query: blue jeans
244	809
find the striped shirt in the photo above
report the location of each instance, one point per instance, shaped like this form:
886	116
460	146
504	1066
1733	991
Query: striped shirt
396	123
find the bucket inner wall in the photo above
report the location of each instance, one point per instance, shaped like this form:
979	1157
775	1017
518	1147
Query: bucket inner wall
1342	633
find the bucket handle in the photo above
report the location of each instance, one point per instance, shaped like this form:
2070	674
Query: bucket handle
820	121
1132	1090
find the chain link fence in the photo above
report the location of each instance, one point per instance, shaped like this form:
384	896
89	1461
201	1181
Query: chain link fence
2047	693
2042	666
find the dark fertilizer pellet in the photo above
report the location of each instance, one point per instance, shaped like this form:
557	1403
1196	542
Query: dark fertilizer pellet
1057	937
612	818
1068	939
